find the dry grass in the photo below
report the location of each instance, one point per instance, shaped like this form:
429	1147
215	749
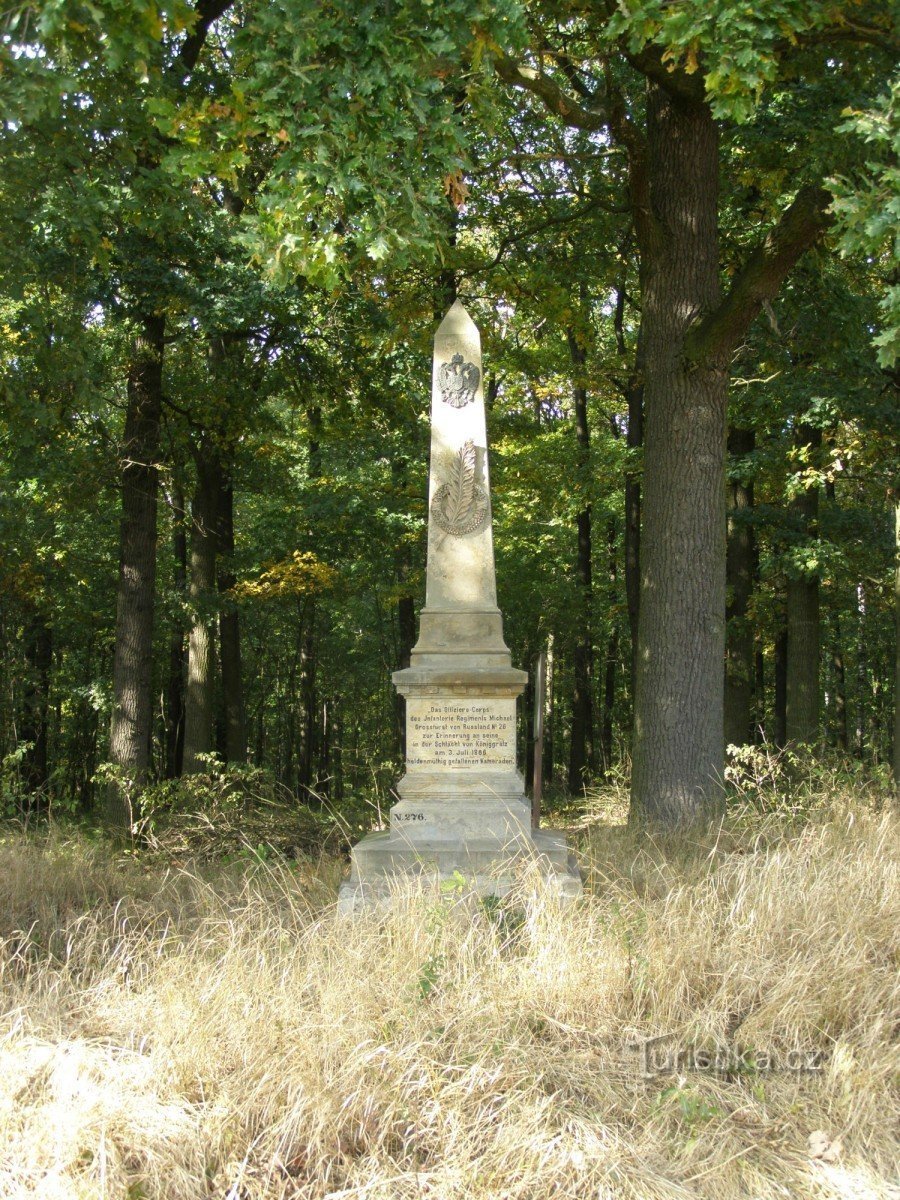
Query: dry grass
173	1036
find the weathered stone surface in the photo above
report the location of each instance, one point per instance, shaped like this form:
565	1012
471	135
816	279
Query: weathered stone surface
462	809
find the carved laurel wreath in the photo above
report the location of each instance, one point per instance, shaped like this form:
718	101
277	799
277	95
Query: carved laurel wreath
458	381
460	505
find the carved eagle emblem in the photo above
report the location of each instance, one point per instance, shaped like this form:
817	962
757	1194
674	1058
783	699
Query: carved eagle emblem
458	381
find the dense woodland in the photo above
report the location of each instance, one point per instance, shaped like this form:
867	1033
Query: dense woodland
228	231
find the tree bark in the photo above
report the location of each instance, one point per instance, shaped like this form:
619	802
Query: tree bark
309	706
405	612
759	695
780	674
309	709
841	732
634	397
177	644
229	627
199	705
612	657
582	759
803	625
740	572
35	724
635	440
548	765
678	753
132	711
895	759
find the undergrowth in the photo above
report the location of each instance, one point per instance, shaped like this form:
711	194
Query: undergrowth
717	1018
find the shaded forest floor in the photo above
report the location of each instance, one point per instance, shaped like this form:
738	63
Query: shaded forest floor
175	1029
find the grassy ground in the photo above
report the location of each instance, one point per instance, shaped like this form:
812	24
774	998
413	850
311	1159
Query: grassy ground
215	1031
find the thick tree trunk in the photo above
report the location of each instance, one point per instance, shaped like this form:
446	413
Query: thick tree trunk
132	712
740	572
177	644
199	706
678	749
633	392
803	625
635	440
230	628
582	755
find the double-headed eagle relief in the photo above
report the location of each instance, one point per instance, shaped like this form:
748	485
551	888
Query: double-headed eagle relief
460	505
458	381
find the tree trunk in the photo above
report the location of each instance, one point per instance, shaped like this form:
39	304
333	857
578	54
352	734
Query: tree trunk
803	645
34	727
841	729
678	748
895	759
229	628
337	752
132	711
740	572
309	709
405	615
548	764
780	673
759	695
406	639
581	747
177	644
634	438
803	626
199	707
612	657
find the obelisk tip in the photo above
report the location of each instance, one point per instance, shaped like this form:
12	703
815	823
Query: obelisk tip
455	318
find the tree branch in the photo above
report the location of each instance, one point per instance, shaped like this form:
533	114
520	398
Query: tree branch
207	11
714	338
675	81
848	31
554	97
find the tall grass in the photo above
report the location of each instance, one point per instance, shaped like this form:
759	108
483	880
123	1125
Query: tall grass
174	1034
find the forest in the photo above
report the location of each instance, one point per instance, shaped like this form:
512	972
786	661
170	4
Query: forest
229	232
230	229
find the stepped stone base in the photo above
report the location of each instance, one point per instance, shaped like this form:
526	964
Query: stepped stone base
381	860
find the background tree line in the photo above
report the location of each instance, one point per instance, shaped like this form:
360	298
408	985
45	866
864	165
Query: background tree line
228	230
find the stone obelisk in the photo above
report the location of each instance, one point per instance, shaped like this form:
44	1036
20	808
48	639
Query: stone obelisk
462	811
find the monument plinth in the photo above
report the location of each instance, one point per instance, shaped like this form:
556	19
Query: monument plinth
462	808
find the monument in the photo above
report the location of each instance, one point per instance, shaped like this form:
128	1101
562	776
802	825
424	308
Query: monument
462	814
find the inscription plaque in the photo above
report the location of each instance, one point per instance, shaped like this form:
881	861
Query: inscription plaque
459	732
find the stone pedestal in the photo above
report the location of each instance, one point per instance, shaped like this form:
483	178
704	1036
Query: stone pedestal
462	809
